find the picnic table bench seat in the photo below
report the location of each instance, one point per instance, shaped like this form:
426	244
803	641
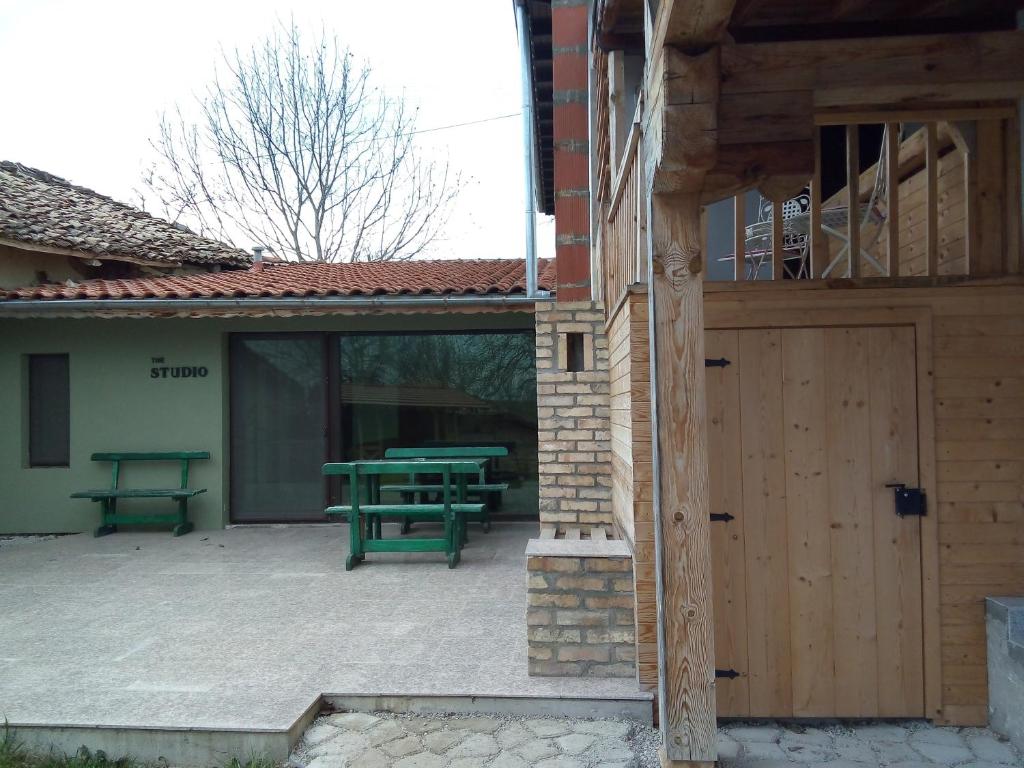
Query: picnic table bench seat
108	497
482	486
451	510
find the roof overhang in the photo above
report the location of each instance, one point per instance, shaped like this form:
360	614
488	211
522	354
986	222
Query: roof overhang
540	51
262	307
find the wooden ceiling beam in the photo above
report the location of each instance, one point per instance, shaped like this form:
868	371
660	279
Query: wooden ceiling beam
763	165
886	70
692	25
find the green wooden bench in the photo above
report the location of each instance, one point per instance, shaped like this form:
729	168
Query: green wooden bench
108	497
364	519
481	487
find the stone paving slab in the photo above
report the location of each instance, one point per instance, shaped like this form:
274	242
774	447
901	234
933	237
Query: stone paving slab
379	740
905	744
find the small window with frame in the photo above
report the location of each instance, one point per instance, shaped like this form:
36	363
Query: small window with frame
49	411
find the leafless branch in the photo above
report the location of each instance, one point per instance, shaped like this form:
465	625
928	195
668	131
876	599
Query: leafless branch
295	148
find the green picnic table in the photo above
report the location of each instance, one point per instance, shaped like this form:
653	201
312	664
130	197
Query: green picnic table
364	519
417	487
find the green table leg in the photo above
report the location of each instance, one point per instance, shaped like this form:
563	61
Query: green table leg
107	509
183	526
355	541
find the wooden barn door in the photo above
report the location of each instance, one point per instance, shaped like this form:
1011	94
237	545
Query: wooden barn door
817	581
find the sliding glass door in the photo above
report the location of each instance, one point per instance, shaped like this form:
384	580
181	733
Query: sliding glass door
298	400
445	389
279	427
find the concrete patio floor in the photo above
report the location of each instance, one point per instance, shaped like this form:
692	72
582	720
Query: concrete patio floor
244	630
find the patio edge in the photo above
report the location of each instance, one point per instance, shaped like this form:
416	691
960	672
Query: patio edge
637	709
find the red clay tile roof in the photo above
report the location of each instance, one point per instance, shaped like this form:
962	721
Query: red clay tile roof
453	277
38	208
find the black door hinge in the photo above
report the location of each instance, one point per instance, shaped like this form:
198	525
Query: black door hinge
720	362
721	517
729	673
909	501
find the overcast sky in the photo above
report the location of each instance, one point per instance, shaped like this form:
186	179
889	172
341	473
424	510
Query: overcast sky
84	84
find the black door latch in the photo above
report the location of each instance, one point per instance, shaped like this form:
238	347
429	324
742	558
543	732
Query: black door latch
727	673
909	501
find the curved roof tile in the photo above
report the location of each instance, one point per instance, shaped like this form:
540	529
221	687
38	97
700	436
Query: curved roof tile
451	277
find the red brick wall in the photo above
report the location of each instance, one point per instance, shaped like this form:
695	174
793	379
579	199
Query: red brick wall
572	149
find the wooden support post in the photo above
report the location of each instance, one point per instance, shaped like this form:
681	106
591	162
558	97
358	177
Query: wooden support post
686	683
892	190
853	203
778	241
990	204
618	120
1013	196
819	245
739	206
931	162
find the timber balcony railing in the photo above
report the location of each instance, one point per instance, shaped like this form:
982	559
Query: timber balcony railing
623	225
933	195
923	197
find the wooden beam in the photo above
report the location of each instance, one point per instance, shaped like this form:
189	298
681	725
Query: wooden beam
853	198
682	120
682	503
931	167
882	70
695	25
991	205
618	120
739	207
1013	196
739	167
892	187
819	243
923	114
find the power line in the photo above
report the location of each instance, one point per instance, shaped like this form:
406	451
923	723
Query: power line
462	125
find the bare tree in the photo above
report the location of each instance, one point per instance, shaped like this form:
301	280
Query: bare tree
296	149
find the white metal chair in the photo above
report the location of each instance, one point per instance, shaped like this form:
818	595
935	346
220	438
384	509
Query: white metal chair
796	214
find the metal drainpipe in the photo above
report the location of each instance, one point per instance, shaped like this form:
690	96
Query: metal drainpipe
659	557
528	146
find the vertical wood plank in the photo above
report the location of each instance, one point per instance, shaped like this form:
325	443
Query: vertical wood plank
676	296
991	204
967	145
850	508
931	162
894	459
778	241
739	206
765	529
725	474
805	402
819	245
892	186
618	120
853	201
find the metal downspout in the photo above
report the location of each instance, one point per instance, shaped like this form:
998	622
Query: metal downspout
659	557
529	166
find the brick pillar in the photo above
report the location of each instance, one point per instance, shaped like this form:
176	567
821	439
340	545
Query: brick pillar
569	43
574	418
